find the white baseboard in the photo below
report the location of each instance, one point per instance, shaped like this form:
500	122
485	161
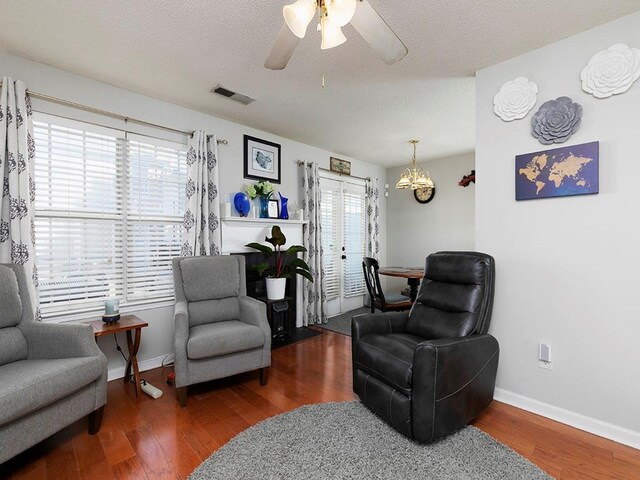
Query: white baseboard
143	365
577	420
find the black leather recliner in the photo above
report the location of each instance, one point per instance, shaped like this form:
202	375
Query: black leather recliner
430	371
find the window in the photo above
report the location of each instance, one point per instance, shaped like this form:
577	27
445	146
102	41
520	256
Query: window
155	199
108	215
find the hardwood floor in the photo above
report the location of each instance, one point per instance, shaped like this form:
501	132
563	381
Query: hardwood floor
158	439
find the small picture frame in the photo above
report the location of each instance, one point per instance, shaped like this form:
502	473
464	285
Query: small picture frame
343	167
274	209
261	159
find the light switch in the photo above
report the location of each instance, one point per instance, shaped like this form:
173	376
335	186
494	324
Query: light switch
544	356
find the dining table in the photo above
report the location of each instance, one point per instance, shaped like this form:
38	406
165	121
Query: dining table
412	274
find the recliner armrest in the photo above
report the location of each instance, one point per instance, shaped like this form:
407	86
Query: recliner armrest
381	323
453	379
56	340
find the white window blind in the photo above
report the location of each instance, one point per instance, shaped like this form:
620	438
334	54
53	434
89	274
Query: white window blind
354	224
330	221
108	215
155	199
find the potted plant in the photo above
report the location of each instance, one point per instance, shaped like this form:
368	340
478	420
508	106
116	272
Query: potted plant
280	264
263	190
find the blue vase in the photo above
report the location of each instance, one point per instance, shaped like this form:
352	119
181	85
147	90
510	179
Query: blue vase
284	212
264	207
242	204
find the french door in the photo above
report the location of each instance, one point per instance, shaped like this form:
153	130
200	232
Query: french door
343	217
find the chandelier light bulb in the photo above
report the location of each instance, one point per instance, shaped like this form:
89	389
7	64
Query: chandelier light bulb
298	16
405	180
340	11
332	35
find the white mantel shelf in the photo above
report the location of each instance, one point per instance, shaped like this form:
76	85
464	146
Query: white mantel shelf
263	220
238	231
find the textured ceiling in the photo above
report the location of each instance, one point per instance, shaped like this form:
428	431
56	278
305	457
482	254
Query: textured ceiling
177	51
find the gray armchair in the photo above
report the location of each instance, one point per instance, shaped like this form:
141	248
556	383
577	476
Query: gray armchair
50	375
219	331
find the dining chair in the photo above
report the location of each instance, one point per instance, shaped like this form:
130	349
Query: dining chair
391	302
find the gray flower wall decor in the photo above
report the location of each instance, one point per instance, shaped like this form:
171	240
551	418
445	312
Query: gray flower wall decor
515	99
556	120
611	71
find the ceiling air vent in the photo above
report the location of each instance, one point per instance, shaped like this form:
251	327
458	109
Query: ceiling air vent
238	97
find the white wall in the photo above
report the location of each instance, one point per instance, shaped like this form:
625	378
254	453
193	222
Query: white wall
567	268
157	338
445	223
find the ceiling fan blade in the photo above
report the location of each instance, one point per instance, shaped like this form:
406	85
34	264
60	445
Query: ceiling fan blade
283	48
378	34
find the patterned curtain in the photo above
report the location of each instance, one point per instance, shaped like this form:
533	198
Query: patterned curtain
201	224
17	153
373	219
314	298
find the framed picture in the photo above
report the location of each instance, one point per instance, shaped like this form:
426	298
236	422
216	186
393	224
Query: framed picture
559	172
274	209
339	166
261	159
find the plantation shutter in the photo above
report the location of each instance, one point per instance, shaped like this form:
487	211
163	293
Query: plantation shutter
330	220
79	202
156	171
354	228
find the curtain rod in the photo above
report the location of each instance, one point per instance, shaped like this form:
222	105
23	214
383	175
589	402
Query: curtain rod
117	116
300	162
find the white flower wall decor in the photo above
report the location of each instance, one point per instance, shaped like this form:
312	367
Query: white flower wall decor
515	99
611	71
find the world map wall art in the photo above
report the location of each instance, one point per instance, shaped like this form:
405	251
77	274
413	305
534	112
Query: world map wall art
559	172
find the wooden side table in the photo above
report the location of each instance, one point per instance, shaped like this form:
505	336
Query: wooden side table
127	323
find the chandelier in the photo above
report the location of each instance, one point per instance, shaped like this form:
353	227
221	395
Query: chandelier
414	177
334	14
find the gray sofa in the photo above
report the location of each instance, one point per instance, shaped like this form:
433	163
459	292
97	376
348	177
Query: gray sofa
219	331
50	375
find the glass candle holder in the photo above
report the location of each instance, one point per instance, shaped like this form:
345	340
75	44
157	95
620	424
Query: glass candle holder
111	306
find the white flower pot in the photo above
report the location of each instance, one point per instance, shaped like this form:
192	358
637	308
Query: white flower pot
276	288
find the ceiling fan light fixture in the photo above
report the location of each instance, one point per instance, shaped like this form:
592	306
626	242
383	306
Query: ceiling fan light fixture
340	12
332	35
298	16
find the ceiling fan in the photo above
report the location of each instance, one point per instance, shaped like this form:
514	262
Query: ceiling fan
334	14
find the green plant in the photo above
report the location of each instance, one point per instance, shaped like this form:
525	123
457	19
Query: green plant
285	263
263	189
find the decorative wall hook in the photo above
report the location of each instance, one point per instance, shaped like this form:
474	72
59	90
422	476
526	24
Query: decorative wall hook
468	179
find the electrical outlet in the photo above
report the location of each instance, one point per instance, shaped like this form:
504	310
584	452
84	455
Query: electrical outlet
544	356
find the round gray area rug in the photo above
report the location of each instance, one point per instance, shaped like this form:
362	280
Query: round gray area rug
345	440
